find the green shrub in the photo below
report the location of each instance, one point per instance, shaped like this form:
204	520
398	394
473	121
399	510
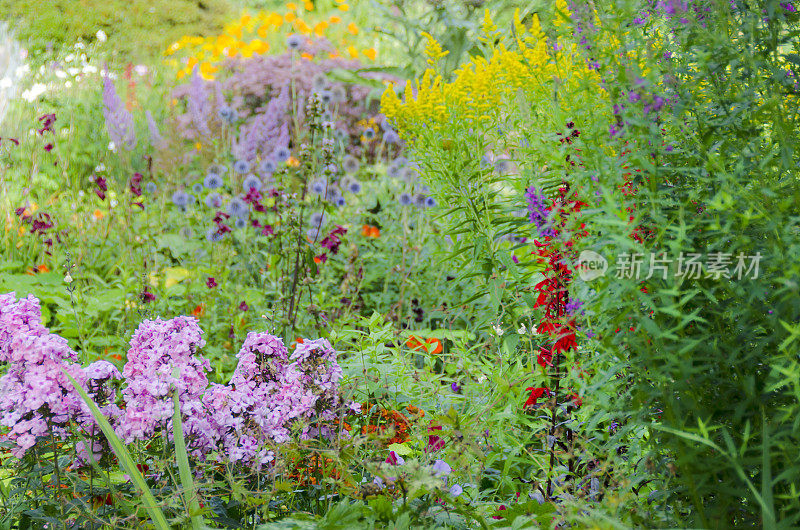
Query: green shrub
137	29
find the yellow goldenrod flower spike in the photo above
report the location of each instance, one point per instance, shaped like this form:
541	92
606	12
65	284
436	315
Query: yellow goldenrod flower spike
433	50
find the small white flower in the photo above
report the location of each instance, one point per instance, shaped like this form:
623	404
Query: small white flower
100	167
112	146
101	35
522	329
69	58
68	278
61	74
79	45
497	329
114	203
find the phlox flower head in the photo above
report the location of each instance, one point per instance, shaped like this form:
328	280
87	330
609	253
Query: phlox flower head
162	359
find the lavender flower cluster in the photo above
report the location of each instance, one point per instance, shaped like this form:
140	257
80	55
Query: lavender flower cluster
270	397
119	120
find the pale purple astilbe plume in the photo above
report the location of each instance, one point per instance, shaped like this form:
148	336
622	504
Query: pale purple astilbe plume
162	359
119	121
198	104
156	140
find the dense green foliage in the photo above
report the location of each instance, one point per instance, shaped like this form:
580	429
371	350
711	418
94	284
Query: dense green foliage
136	29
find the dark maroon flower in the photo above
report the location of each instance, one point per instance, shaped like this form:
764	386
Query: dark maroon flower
47	122
147	296
243	306
267	231
136	184
211	282
20	211
12	140
101	183
435	442
48	147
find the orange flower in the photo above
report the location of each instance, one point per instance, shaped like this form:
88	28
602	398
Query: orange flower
370	231
438	345
416	411
43	268
117	356
98	214
199	311
417	344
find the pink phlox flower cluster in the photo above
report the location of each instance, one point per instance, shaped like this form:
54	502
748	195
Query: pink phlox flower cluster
35	394
162	359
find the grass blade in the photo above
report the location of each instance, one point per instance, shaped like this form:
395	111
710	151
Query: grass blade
124	457
183	466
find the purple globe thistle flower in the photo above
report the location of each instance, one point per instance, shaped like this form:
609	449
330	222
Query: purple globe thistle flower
294	41
326	97
282	154
227	114
268	167
339	201
213	181
394	170
368	133
151	187
213	235
238	208
456	490
319	81
252	182
241	166
217	169
419	200
391	137
405	199
239	223
409	173
430	202
197	187
339	94
350	164
354	186
318	187
317	219
180	198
